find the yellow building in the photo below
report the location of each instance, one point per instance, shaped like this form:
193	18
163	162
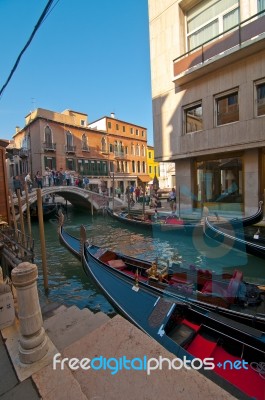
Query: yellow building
152	166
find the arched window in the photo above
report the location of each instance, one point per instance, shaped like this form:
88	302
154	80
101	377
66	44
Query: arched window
103	144
48	135
137	150
143	164
69	141
133	166
85	142
132	150
138	166
143	150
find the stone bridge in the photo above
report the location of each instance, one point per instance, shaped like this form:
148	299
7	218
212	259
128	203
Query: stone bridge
78	197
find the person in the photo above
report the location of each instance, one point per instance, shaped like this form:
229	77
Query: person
172	199
28	182
118	191
68	177
137	194
38	179
17	185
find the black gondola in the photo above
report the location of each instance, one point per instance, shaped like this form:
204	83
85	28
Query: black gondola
174	224
192	333
182	290
235	239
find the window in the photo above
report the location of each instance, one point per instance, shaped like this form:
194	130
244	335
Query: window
84	142
219	180
193	118
143	167
143	151
103	144
261	5
111	148
131	130
150	169
48	135
137	150
132	150
133	166
227	108
82	122
149	154
137	132
138	167
70	164
142	133
117	127
109	124
260	99
69	141
210	18
123	128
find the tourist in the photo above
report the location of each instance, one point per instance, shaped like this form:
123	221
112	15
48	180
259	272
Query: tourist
172	199
17	185
28	182
137	194
38	179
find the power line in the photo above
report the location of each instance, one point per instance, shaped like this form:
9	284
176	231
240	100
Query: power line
40	21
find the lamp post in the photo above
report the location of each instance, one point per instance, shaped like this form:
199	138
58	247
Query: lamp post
155	187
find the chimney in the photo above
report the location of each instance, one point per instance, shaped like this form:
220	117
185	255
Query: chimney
112	115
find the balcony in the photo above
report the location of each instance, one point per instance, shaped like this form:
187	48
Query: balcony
48	146
120	154
70	149
85	147
23	153
245	39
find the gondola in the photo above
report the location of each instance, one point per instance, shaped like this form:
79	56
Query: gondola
203	339
181	289
50	210
172	223
235	239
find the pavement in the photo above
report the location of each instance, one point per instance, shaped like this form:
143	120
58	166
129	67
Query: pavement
114	337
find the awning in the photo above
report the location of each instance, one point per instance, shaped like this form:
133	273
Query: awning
144	178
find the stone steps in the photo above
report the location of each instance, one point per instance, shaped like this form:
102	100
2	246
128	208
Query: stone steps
65	327
71	324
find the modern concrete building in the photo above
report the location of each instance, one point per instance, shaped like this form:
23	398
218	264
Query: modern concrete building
66	141
208	90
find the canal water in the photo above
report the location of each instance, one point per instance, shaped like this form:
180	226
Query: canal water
68	283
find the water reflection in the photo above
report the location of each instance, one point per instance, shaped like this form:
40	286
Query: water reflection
69	284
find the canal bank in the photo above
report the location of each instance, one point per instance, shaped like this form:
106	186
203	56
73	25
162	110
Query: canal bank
103	337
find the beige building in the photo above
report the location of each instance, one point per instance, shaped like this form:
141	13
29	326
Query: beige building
65	141
208	90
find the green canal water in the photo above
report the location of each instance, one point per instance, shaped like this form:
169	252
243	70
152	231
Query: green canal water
68	283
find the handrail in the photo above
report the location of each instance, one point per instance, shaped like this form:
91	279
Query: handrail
201	46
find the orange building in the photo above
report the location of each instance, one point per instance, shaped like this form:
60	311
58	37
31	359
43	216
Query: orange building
97	150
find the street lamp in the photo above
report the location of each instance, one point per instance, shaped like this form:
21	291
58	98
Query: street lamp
155	187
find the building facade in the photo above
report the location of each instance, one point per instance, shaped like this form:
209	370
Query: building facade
208	90
152	165
114	151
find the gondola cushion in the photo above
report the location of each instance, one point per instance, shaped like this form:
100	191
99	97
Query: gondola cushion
119	264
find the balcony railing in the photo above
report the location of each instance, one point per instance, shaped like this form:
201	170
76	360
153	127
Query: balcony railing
48	146
70	149
120	154
23	153
225	43
85	147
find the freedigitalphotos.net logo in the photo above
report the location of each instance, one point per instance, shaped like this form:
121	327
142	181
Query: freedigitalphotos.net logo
115	365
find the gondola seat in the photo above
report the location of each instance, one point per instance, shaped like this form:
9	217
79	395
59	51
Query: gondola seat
117	264
211	287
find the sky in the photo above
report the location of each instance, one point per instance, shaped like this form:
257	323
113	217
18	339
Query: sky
90	56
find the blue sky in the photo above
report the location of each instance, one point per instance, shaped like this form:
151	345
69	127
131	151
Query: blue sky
90	56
